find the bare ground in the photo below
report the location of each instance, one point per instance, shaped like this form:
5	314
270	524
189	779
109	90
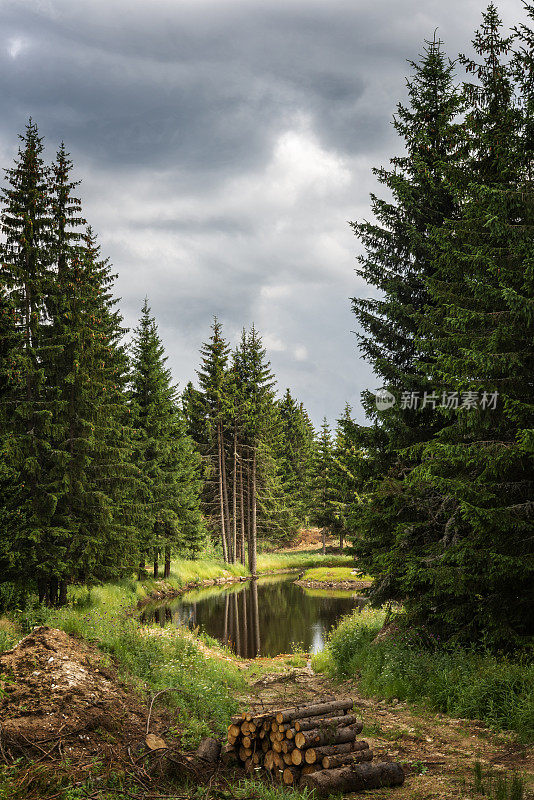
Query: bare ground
437	752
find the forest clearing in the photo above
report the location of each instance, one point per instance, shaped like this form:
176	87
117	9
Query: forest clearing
214	586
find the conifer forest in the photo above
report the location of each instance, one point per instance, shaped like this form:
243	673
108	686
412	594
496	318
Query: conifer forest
392	546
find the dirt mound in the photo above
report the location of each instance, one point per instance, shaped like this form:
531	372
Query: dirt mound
312	539
58	698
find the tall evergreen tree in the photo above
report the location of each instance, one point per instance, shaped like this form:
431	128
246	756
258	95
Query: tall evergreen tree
25	279
474	562
295	454
256	392
214	387
324	507
86	366
164	453
397	261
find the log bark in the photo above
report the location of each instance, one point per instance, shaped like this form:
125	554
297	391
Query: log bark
228	754
288	746
291	776
313	754
309	769
321	736
209	749
354	778
321	709
340	721
331	762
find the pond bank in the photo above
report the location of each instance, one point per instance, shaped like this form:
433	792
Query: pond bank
203	573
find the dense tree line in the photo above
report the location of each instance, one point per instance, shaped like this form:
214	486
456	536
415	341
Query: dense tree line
96	468
257	449
444	512
103	466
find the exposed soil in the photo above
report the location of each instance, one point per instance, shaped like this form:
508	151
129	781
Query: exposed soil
312	539
60	697
437	752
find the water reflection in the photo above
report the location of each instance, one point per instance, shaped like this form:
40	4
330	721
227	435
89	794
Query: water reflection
265	617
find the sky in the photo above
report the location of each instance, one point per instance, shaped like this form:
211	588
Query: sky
223	148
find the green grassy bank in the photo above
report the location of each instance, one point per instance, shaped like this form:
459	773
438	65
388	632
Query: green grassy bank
184	572
100	615
412	666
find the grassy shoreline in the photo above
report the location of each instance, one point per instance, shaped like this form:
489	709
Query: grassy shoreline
184	572
102	615
410	666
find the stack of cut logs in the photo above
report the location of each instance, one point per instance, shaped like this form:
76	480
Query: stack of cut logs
313	745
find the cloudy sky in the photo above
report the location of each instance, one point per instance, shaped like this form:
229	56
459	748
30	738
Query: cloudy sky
223	146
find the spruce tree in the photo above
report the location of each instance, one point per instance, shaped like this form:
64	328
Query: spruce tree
89	531
473	565
164	453
294	453
324	501
25	279
215	392
397	261
257	382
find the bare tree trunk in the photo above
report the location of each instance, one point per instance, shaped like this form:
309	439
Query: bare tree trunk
62	598
156	563
221	495
53	591
141	569
252	546
167	567
323	531
249	506
341	541
242	503
234	499
225	497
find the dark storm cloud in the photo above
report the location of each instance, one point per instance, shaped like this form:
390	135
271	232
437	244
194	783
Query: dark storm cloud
223	146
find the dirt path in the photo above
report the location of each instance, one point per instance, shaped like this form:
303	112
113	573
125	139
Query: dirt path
437	752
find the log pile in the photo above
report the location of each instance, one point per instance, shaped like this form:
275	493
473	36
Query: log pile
314	745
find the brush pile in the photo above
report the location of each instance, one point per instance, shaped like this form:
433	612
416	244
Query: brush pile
314	745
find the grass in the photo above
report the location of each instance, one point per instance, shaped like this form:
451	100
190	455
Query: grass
329	574
498	787
300	560
411	666
206	687
185	572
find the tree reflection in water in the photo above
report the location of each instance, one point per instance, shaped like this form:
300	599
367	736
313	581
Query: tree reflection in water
264	617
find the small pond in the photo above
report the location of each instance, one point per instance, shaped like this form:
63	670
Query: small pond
263	617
